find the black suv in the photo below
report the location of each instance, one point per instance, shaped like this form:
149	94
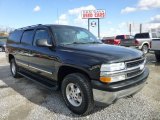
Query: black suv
73	60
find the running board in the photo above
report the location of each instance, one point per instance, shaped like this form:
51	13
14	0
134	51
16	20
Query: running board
41	81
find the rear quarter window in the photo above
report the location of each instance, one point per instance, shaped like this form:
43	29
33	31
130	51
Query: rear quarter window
15	36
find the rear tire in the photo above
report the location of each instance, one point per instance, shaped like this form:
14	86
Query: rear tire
145	49
14	68
77	93
157	55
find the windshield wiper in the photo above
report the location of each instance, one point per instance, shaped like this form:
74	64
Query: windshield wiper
83	43
76	43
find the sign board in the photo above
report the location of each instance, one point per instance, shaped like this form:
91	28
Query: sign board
93	23
86	14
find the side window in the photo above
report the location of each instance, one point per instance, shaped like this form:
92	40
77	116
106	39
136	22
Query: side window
15	36
41	34
27	37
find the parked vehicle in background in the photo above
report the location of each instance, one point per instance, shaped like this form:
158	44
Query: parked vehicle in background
155	44
108	40
73	60
122	38
3	44
140	41
116	40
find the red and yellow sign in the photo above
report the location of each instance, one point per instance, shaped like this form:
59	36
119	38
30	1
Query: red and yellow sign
86	14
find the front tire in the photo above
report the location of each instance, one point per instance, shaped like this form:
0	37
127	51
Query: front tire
77	93
14	68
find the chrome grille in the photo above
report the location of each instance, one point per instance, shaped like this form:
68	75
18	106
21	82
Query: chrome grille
134	63
135	68
135	73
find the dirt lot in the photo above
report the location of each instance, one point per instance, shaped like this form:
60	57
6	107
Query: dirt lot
22	99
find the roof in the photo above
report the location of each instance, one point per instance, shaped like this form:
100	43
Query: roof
48	25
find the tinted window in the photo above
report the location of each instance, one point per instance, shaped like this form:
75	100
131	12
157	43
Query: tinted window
120	37
27	37
142	35
41	34
15	36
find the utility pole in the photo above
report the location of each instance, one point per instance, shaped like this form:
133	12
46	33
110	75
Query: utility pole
140	29
130	29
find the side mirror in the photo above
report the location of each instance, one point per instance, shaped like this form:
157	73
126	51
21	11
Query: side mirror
43	43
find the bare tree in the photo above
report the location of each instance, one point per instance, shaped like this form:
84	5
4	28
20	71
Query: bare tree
5	30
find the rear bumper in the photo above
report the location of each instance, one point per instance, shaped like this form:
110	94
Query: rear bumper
109	92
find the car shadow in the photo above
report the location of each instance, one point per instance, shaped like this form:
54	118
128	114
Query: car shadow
51	100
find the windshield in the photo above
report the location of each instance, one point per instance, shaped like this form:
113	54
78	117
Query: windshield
73	35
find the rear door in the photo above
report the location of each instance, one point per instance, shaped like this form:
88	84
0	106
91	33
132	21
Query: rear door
24	48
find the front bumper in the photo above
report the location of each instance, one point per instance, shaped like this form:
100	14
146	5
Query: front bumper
110	97
107	93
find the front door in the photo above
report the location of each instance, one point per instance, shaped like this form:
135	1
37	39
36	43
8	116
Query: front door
42	59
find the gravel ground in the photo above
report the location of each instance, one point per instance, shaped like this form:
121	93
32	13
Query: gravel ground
21	99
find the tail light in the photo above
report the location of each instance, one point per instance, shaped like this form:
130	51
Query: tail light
117	42
136	42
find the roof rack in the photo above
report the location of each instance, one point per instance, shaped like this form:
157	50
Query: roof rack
30	26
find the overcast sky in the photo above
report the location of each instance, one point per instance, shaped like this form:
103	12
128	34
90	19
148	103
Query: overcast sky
119	13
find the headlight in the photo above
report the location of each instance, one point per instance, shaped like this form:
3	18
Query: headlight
107	68
112	67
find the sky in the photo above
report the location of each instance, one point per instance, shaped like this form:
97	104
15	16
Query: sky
119	14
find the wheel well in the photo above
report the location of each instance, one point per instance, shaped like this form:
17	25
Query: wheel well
10	57
65	70
146	44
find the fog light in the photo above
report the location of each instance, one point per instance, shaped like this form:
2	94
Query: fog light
105	79
113	78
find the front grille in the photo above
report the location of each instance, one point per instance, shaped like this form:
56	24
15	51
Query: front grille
135	73
134	67
134	63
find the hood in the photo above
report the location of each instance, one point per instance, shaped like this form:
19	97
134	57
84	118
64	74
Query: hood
107	53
